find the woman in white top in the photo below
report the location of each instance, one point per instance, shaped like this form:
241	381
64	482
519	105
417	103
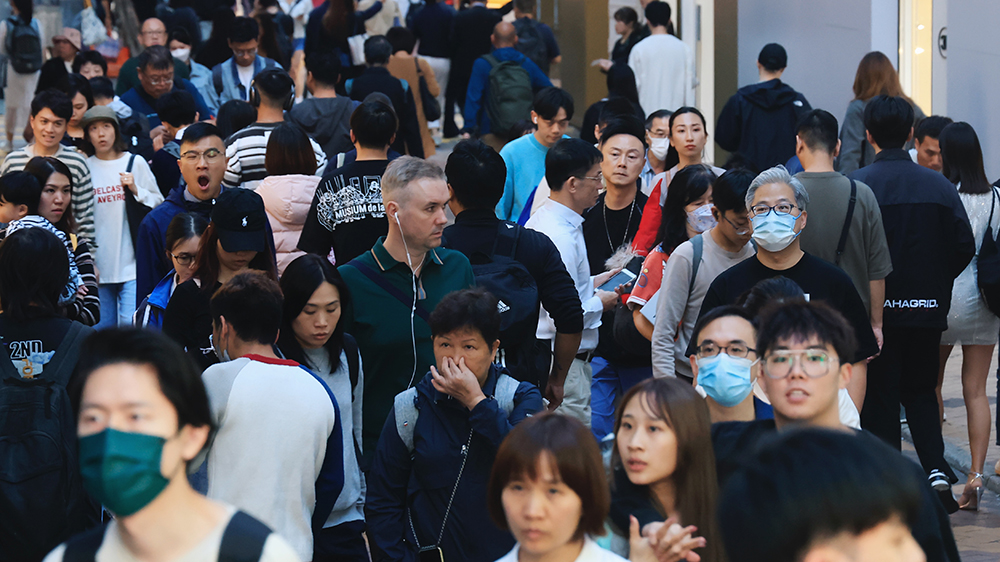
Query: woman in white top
970	322
20	87
313	335
114	171
548	487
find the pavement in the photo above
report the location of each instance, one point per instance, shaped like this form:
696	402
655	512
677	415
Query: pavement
977	533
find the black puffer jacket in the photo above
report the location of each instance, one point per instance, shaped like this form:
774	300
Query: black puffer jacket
759	122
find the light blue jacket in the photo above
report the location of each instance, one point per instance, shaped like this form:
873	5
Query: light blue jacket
226	84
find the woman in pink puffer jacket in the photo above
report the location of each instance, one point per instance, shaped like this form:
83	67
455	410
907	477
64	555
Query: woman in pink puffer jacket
288	188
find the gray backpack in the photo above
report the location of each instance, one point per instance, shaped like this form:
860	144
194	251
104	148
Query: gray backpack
407	412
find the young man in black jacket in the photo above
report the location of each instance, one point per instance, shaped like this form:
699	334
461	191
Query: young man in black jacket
930	241
759	120
476	181
376	78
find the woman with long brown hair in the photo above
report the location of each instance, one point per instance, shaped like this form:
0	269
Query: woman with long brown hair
236	240
664	467
875	77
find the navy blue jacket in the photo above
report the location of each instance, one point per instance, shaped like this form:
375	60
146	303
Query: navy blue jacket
143	104
929	236
759	122
424	482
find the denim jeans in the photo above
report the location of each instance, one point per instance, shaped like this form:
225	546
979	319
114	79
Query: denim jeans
117	304
609	384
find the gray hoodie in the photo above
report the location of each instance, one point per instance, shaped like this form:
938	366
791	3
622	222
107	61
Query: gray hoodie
327	121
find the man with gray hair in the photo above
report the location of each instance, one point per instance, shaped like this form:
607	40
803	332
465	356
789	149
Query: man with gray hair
777	203
396	284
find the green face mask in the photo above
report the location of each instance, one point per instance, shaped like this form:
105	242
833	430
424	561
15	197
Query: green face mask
122	470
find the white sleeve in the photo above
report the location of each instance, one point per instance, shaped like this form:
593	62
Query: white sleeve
57	554
277	549
320	158
145	183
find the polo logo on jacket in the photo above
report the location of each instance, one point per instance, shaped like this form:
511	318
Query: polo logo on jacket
913	303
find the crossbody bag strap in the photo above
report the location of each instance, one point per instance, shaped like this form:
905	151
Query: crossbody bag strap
847	221
388	287
447	511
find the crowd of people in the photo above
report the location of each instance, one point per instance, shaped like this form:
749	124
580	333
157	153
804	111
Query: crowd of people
247	319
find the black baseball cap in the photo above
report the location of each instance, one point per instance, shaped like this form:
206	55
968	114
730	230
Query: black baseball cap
773	57
239	219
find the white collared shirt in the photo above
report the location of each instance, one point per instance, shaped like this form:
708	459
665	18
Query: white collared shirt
591	553
564	227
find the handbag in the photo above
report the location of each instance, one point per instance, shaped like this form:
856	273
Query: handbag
432	109
988	265
134	210
357	45
92	29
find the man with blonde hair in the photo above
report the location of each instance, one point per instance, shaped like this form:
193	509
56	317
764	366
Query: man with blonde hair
396	284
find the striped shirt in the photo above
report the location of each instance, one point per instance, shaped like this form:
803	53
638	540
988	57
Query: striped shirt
245	152
82	201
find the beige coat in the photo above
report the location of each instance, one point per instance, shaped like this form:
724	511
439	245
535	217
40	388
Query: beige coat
402	66
384	19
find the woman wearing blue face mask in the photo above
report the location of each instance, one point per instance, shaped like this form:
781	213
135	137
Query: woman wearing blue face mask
143	416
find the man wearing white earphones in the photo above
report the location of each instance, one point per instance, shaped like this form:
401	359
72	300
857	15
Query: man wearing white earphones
396	284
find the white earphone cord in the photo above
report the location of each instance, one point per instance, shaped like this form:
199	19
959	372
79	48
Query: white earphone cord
413	308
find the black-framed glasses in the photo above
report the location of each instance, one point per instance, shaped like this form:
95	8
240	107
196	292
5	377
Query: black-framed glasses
210	155
815	363
734	349
184	259
761	209
739	229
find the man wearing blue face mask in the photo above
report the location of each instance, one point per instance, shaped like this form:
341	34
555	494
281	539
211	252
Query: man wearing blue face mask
143	416
725	363
777	204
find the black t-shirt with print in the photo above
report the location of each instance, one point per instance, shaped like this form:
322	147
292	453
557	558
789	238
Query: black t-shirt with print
32	344
347	213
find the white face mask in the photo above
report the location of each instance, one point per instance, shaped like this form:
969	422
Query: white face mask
181	54
659	148
701	219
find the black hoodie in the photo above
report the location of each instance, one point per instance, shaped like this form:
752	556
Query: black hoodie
327	121
759	122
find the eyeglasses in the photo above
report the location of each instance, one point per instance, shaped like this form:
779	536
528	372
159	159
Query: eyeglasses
245	52
158	80
211	155
735	349
815	363
184	259
740	229
779	209
592	178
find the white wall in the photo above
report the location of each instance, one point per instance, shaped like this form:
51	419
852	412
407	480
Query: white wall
825	40
974	73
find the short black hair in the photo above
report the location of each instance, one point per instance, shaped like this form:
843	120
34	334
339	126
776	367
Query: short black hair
818	130
729	191
180	35
658	14
770	292
275	85
198	131
474	308
325	67
931	127
21	188
625	125
102	87
374	124
258	323
569	158
57	102
401	39
658	114
234	115
34	270
156	57
724	311
889	119
476	174
549	100
243	30
626	15
179	378
377	50
79	85
93	57
176	108
615	108
806	485
183	226
799	321
525	6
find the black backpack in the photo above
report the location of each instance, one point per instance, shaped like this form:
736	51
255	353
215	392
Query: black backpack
988	264
531	44
42	501
24	46
517	293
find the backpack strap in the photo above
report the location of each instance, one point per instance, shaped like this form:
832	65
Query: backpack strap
847	221
84	547
492	60
504	393
406	412
698	246
131	160
505	244
217	79
353	364
243	540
